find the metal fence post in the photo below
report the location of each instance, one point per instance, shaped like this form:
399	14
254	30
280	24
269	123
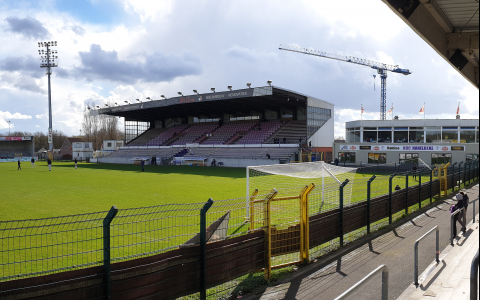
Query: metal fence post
474	278
420	189
341	210
106	248
431	187
460	174
203	248
465	174
369	184
453	177
406	193
268	232
390	191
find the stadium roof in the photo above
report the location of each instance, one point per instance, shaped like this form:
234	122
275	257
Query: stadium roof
237	103
448	26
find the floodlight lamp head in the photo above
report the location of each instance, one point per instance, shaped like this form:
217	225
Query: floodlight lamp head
88	107
230	87
126	101
195	91
212	89
163	96
148	98
249	85
269	82
180	93
138	100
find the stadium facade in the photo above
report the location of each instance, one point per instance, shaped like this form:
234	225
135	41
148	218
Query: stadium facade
399	141
264	125
12	147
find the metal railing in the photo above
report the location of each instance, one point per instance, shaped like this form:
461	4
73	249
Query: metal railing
453	233
437	247
473	210
474	278
359	284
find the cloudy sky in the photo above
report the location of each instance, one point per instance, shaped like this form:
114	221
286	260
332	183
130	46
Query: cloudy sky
115	50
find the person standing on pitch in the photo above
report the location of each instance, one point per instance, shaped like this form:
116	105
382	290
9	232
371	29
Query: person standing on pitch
33	162
75	162
19	163
49	162
143	164
414	172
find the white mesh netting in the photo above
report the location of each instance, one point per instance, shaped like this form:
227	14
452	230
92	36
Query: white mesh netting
289	178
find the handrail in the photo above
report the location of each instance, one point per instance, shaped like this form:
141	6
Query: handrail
473	210
452	220
437	247
359	284
474	278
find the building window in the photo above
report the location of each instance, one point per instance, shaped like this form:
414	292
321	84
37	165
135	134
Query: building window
450	136
434	136
369	136
441	158
408	158
109	144
347	156
472	157
467	136
400	136
385	135
377	158
416	136
353	137
86	146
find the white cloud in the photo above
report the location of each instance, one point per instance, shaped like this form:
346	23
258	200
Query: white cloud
15	116
45	115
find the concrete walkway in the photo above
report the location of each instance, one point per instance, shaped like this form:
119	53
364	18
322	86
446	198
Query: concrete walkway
331	276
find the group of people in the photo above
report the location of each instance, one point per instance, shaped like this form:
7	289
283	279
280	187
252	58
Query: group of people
277	140
49	163
154	160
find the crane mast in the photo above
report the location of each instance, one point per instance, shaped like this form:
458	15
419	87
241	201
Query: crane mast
381	68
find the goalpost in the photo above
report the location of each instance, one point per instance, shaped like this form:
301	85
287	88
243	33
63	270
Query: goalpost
288	178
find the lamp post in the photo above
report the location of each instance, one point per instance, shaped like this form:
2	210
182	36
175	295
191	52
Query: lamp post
48	60
8	121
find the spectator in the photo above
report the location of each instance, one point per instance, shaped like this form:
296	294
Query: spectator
336	161
268	156
458	217
414	172
33	162
143	165
310	144
397	188
284	140
49	163
19	163
75	163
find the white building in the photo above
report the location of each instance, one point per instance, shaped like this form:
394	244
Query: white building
396	141
111	145
82	150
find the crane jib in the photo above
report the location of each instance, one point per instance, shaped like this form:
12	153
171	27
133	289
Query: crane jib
380	67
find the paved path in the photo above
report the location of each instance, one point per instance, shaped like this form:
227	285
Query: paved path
394	248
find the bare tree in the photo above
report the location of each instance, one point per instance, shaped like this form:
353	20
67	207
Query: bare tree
97	128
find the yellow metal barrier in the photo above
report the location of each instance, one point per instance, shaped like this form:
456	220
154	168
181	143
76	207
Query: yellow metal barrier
292	239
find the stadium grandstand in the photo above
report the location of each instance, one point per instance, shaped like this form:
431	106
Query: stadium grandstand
253	126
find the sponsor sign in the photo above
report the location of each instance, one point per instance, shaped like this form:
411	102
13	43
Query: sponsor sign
15	138
416	148
349	147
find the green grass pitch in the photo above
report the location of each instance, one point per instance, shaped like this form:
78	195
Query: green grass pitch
38	193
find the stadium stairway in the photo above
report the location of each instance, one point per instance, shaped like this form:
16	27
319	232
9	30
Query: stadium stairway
333	274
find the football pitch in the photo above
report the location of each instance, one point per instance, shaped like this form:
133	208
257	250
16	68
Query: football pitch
38	193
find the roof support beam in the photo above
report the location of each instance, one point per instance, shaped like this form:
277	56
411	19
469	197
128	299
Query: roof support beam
428	22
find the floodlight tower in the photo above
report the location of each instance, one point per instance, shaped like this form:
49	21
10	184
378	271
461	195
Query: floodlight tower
48	60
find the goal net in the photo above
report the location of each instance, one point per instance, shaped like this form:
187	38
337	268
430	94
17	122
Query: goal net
289	179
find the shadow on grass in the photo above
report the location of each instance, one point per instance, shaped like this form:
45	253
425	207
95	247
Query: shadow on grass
236	173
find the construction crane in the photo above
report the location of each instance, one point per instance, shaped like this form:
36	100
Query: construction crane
380	67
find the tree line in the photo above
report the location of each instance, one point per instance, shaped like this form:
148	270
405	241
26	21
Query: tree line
95	128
